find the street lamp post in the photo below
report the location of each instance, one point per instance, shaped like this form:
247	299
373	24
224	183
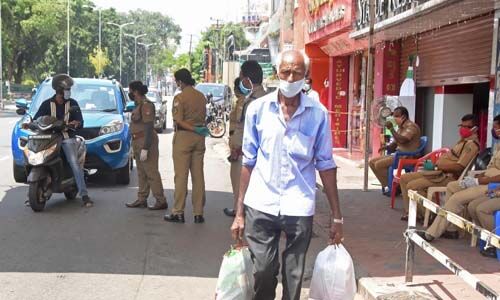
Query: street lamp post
135	50
68	39
120	26
99	10
146	46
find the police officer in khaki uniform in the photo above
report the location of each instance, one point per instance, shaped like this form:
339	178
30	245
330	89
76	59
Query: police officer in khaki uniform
406	138
481	211
189	113
449	166
461	193
247	88
145	147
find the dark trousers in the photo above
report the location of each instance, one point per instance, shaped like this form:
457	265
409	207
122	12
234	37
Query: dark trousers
262	232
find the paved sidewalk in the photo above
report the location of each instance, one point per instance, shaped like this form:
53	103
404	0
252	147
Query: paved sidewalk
374	237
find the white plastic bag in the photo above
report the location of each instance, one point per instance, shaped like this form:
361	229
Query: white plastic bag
333	275
235	280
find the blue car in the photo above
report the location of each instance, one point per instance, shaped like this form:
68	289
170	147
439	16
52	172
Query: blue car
106	130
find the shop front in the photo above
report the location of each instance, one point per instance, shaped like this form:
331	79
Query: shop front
449	45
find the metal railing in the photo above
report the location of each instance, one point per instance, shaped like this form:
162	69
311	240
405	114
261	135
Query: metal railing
413	239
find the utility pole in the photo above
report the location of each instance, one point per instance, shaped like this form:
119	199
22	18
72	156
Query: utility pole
217	45
1	62
135	51
190	45
369	92
146	46
68	35
120	26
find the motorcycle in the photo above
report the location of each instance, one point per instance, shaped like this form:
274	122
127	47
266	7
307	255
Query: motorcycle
215	119
47	168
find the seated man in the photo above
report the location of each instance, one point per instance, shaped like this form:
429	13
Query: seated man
406	139
481	211
461	193
449	166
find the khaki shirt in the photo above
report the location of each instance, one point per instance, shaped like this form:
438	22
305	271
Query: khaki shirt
190	106
143	113
493	168
236	118
462	153
411	131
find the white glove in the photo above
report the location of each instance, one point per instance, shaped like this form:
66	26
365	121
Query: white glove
469	182
144	155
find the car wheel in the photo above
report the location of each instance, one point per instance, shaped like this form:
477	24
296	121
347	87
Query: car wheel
123	175
71	194
19	174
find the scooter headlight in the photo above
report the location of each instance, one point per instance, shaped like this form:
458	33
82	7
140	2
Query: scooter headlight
111	127
38	158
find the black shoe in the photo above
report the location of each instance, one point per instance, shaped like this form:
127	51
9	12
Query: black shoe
387	193
199	219
427	237
87	202
137	203
490	252
174	218
229	212
451	235
158	206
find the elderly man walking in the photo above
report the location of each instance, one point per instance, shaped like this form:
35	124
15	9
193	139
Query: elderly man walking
286	138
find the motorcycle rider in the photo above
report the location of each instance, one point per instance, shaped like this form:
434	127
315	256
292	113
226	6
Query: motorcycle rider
58	106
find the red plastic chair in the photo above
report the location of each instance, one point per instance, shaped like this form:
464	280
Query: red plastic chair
416	163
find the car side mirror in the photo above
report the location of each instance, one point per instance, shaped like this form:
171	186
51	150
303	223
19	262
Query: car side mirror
21	111
22	103
130	106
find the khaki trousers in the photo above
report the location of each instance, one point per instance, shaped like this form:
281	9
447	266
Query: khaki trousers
380	167
235	178
418	182
148	172
188	153
481	211
456	200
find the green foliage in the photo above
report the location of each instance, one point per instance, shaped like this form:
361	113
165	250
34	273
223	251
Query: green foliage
35	44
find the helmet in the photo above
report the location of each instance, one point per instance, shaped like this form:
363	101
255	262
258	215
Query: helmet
61	82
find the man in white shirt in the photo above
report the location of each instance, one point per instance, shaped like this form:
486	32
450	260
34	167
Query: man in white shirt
308	89
286	139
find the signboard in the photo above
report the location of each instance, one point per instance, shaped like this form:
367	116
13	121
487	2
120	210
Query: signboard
331	16
339	66
384	9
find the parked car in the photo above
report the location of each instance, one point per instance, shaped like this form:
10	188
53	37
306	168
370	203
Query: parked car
221	94
106	129
160	109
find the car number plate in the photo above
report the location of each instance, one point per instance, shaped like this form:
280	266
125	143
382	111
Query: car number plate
39	137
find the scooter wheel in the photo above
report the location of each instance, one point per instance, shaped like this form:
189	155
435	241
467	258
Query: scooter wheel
35	195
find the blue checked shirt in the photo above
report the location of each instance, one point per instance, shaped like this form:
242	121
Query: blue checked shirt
285	156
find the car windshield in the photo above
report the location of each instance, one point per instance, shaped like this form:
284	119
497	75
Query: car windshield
153	96
215	90
90	97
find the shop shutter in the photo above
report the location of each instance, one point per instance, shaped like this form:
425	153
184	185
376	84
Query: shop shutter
454	54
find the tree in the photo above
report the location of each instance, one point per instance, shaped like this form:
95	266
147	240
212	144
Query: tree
99	60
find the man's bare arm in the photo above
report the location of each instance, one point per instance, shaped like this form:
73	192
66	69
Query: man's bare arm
238	226
329	179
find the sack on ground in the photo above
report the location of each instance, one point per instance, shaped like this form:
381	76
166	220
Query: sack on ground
333	275
235	280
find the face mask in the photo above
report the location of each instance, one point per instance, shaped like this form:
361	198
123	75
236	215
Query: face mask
131	96
290	90
465	132
307	87
67	94
244	90
494	134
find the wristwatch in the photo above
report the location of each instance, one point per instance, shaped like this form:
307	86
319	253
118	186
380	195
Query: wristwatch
338	221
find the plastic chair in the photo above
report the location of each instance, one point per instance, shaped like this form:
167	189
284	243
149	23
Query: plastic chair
399	154
413	164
